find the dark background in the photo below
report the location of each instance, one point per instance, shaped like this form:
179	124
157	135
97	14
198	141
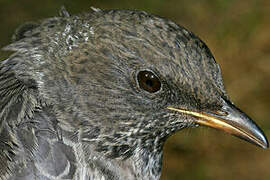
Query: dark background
238	34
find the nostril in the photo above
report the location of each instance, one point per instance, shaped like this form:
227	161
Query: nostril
221	113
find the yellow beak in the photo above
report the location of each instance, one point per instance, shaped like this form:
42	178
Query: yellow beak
232	120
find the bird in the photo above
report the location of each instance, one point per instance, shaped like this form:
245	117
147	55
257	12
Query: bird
94	96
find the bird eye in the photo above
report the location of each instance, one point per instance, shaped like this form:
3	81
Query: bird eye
148	81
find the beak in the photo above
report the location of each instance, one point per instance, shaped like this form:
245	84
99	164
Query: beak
231	120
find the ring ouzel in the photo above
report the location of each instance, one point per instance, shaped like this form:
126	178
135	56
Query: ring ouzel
95	96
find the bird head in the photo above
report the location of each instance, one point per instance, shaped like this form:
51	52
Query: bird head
122	79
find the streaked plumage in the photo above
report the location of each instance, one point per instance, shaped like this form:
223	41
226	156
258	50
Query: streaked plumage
71	106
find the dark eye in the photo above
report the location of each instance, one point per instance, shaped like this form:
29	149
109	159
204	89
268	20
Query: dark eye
148	81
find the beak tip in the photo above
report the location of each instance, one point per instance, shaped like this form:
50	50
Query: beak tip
265	144
259	137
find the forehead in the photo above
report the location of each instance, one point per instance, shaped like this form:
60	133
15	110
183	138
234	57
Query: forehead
159	43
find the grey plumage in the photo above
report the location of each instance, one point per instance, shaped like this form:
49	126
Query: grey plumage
70	103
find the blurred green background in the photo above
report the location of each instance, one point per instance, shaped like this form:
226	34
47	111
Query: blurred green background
238	34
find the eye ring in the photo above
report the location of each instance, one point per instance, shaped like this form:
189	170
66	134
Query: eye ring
148	81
